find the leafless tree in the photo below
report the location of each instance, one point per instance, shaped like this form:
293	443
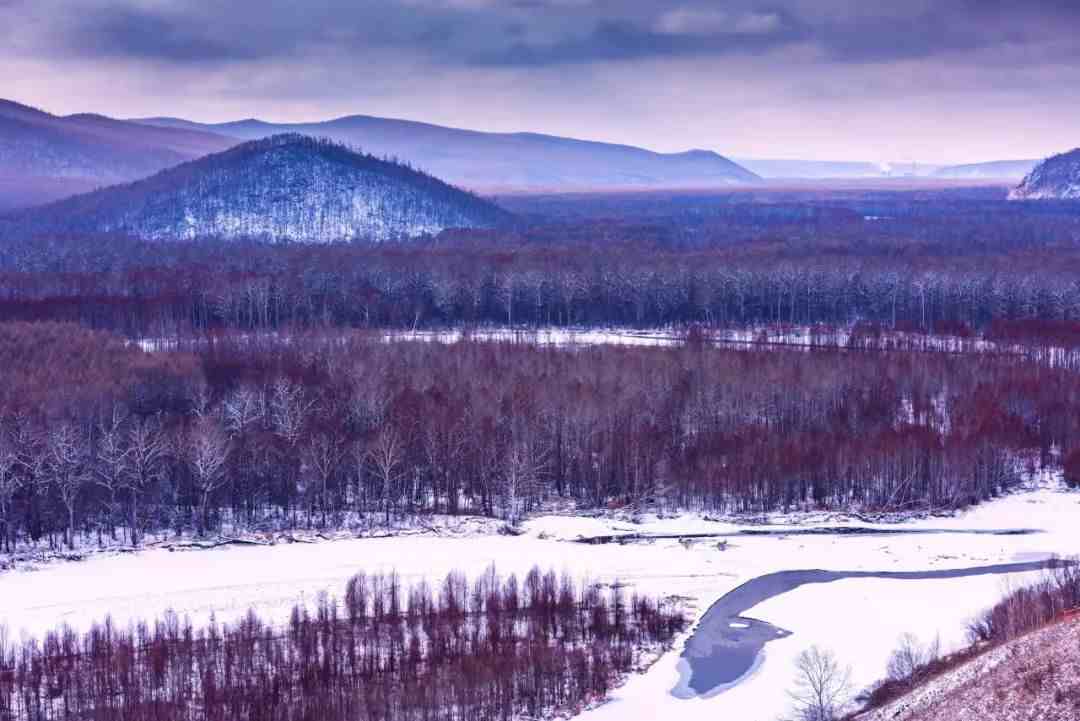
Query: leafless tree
147	449
112	459
386	453
10	482
822	686
321	458
910	657
67	468
207	449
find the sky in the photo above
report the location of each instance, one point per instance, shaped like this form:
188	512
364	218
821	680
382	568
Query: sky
936	81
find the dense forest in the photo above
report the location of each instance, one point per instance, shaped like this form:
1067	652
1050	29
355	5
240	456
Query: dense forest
493	649
912	259
101	442
162	388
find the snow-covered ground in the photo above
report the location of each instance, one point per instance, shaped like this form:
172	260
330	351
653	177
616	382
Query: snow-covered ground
859	619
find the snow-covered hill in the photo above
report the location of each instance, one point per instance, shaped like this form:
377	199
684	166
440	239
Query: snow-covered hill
284	188
1056	178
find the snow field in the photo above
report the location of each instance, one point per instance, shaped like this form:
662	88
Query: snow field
858	619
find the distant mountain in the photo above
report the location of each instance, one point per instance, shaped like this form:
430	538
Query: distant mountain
283	188
44	157
501	161
1056	178
811	169
996	170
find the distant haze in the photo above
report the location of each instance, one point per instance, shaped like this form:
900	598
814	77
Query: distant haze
938	82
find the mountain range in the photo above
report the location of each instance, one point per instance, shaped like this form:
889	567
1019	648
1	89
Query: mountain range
499	161
286	188
1056	178
775	169
44	157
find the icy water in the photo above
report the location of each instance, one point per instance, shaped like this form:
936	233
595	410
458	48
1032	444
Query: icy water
727	645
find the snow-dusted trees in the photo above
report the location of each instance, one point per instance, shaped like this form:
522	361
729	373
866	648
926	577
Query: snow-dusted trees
324	429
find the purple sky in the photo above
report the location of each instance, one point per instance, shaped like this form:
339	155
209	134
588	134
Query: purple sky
933	81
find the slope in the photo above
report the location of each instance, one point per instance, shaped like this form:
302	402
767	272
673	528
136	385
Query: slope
1056	178
503	161
283	188
44	157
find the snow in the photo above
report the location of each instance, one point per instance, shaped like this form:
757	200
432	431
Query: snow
858	619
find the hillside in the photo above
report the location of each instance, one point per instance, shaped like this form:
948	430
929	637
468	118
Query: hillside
503	161
45	157
994	170
1056	178
284	188
1036	676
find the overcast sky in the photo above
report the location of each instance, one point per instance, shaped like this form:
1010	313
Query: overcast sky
926	80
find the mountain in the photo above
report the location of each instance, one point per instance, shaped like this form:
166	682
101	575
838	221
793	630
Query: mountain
500	161
283	188
811	169
995	170
44	157
1056	178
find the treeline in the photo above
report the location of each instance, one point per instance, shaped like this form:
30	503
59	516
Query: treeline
99	440
169	289
492	650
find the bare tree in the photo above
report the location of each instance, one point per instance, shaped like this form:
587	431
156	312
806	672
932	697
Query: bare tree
147	448
67	468
321	456
10	483
822	686
112	456
289	410
526	460
386	454
207	448
243	409
910	657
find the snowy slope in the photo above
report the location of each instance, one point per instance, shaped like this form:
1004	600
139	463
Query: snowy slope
1056	178
285	188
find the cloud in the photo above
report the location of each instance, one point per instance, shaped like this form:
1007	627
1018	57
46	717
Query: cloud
711	21
532	33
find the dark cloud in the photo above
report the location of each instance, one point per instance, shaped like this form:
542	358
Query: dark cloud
615	40
551	32
138	33
769	76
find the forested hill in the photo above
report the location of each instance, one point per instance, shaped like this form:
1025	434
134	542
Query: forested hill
284	188
1056	178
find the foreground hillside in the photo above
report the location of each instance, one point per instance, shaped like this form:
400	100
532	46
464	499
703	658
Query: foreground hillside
45	157
1033	677
285	188
502	160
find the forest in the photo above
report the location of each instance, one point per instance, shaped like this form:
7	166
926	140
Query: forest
922	260
493	649
102	442
211	387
